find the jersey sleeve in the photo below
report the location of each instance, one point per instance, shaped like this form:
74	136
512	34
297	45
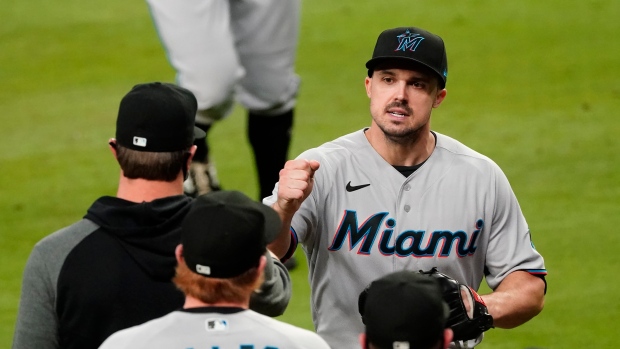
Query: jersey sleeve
275	292
37	323
510	243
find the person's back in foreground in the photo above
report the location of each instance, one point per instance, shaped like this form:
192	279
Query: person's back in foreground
114	268
220	263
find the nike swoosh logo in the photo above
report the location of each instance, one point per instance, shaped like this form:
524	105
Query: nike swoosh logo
351	188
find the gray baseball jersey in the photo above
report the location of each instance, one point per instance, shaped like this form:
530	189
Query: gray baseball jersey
364	219
222	48
214	328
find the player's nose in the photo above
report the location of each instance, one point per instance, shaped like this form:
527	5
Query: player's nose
400	93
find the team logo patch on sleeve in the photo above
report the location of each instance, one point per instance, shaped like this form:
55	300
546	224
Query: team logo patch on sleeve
216	325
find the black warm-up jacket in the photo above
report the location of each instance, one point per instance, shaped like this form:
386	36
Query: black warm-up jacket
113	270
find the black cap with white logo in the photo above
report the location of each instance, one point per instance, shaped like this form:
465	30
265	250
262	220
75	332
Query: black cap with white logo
225	233
157	117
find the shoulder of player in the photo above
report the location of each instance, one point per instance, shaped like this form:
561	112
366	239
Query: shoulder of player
68	236
51	251
333	152
137	336
293	333
456	148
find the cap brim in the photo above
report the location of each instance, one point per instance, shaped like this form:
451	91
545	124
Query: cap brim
372	64
199	133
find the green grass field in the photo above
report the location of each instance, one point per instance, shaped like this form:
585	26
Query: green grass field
535	85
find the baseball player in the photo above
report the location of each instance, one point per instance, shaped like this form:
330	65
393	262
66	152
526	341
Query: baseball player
221	49
113	269
219	265
397	196
404	310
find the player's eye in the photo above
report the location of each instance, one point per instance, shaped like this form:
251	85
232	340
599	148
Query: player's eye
388	79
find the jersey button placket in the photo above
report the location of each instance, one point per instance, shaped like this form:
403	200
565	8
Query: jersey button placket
407	207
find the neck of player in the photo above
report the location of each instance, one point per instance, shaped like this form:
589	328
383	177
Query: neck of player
142	190
409	151
191	302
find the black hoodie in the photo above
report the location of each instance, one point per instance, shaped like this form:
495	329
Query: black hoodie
113	270
122	272
107	272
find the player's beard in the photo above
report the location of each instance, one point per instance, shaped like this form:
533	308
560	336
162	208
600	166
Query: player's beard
397	133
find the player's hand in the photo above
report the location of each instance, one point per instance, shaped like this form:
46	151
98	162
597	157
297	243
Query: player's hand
467	301
295	184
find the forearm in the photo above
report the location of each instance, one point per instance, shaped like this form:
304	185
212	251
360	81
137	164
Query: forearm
295	184
282	243
517	299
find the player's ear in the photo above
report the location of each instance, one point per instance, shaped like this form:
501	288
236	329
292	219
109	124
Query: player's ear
189	155
112	144
262	264
192	151
368	83
178	252
441	95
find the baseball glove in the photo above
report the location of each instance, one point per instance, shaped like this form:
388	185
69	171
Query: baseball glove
466	324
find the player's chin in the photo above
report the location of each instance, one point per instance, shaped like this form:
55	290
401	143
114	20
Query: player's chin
400	130
400	135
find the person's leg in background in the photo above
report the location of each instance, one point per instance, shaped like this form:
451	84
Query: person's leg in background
270	137
200	46
266	34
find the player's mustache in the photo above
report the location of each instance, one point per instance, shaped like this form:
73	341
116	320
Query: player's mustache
401	105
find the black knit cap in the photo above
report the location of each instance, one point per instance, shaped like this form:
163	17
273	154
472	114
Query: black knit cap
157	117
404	309
411	44
225	233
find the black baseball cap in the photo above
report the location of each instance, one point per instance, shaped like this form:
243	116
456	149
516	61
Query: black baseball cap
157	117
404	309
412	44
225	233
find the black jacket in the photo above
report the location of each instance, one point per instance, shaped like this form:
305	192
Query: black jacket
110	271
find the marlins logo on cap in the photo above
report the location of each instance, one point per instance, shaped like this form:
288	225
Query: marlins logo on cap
411	44
408	41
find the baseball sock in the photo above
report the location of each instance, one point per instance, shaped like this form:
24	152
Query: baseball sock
270	137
